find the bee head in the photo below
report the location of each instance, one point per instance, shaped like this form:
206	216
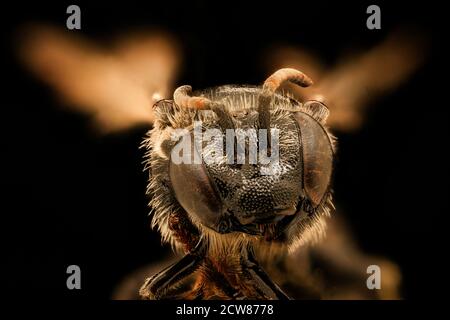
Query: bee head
242	160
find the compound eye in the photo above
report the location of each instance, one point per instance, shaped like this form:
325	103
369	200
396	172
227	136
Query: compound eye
191	184
317	157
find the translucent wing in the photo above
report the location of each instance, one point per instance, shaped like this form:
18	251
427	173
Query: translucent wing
117	85
349	87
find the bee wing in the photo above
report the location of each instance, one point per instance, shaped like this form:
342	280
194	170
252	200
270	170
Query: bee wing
357	80
117	86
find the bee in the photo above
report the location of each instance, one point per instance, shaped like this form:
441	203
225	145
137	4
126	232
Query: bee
223	214
147	63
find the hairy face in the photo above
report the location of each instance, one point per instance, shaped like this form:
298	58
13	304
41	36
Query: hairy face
263	165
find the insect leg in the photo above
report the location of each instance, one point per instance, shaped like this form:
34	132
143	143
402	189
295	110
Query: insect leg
157	286
263	284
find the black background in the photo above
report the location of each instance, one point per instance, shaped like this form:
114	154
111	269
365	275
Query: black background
70	196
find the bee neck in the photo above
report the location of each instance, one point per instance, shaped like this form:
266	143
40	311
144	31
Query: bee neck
225	250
